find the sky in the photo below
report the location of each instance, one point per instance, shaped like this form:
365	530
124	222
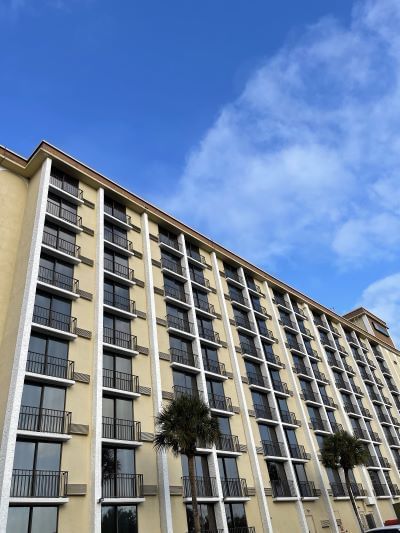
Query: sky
283	117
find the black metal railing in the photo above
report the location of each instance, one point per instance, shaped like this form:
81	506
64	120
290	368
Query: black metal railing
55	209
201	303
230	274
173	266
119	338
120	302
286	321
307	489
358	490
220	402
361	433
237	297
182	324
66	186
183	357
234	488
294	345
180	390
113	379
319	424
372	461
67	247
327	400
393	488
118	269
199	278
258	380
54	319
273	448
206	487
319	375
279	386
264	331
297	451
176	293
302	369
241	529
119	240
214	366
272	358
318	321
196	256
43	420
265	411
228	443
250	349
51	277
173	243
117	213
283	488
339	490
380	489
38	483
122	486
243	322
280	300
38	363
209	334
120	429
336	427
304	330
288	417
309	396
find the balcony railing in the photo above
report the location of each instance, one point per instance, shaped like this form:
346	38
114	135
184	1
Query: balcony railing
182	357
53	208
310	396
120	270
181	324
56	367
336	428
280	300
119	338
117	213
243	322
173	266
288	417
283	488
230	274
358	490
113	379
372	461
122	486
272	358
38	484
53	319
177	294
206	487
258	380
250	349
294	345
237	297
196	256
280	386
302	369
173	243
339	490
199	278
380	489
297	451
51	277
209	334
119	302
328	401
202	304
320	375
214	366
307	489
394	489
273	448
228	443
120	429
43	420
66	186
179	391
220	402
265	411
67	247
318	322
361	433
319	424
264	331
119	240
234	488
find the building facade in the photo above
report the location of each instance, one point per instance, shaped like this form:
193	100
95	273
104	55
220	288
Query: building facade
111	308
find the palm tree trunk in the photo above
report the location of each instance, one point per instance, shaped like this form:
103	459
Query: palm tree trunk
193	490
353	501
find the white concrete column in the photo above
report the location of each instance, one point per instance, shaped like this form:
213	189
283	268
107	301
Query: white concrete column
161	458
7	447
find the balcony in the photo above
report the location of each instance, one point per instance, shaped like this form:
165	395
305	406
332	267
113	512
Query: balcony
394	489
273	448
305	331
374	436
228	443
319	424
65	217
265	412
309	396
42	420
297	309
197	277
68	250
233	276
206	487
118	271
318	322
283	488
258	308
203	305
118	241
280	300
265	332
169	243
214	367
176	294
328	401
372	462
117	216
120	303
294	345
334	363
182	357
58	281
235	488
65	186
342	384
192	254
243	322
180	324
320	376
179	391
38	484
351	408
336	428
280	386
251	350
119	340
361	434
238	298
302	369
46	365
297	451
392	441
47	318
257	380
348	368
384	419
122	486
273	359
173	266
220	402
120	429
287	322
380	489
307	489
121	381
288	417
339	490
209	334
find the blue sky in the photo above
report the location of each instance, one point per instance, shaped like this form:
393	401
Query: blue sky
284	116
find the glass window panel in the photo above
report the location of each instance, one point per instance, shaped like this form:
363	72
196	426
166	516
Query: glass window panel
108	515
44	520
61	306
53	398
127	519
124	409
122	325
108	407
126	460
18	520
37	344
108	361
57	348
48	456
31	395
123	364
24	455
42	300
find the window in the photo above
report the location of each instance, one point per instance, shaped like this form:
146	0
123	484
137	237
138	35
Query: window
33	519
49	306
119	519
116	235
200	465
116	263
63	181
193	251
380	328
115	209
37	455
59	207
117	295
48	356
42	409
228	468
53	235
117	408
117	324
184	382
207	517
56	272
117	372
235	515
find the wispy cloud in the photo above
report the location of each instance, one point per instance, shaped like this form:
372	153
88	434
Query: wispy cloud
308	158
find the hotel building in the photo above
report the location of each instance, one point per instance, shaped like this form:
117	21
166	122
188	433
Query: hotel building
110	308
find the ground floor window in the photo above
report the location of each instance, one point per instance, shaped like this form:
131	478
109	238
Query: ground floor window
119	519
235	515
207	517
35	519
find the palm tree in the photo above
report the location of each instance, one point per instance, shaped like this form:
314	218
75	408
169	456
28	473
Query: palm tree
342	450
184	423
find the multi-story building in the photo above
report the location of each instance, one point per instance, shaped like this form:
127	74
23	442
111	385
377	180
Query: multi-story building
110	308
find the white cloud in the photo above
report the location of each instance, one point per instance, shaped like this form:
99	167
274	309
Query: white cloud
383	299
307	159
